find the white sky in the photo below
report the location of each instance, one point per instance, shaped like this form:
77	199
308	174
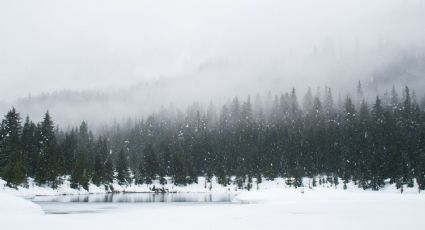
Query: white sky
53	45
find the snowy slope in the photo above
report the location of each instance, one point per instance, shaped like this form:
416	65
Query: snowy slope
11	205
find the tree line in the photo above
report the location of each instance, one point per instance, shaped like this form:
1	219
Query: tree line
369	142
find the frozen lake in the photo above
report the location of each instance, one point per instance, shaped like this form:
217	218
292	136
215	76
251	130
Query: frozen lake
319	208
96	203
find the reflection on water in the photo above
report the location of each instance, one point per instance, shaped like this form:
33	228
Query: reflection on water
95	203
139	198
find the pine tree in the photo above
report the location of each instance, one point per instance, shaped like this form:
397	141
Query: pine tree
420	167
149	164
69	149
348	140
99	171
360	95
178	168
377	163
394	100
294	105
30	147
328	104
308	101
123	175
80	176
109	172
409	137
11	158
363	172
48	158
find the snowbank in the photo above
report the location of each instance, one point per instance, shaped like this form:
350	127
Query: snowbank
12	205
65	188
324	192
35	190
201	187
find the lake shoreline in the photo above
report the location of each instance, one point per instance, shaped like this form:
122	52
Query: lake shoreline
202	187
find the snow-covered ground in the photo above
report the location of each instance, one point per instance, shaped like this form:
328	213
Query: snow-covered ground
65	188
11	205
273	206
201	187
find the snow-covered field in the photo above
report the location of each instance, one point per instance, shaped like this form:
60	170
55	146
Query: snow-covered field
273	206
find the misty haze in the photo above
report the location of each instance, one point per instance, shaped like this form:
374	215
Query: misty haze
212	114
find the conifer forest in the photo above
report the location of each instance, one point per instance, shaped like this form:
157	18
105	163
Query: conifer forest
366	141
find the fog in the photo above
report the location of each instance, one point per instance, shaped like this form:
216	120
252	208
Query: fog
106	60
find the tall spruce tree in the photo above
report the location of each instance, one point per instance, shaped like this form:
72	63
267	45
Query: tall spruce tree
99	169
377	163
48	162
80	176
109	173
30	147
11	159
150	165
123	174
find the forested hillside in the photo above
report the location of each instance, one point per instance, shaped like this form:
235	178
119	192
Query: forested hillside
282	135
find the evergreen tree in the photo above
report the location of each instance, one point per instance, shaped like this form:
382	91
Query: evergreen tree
363	149
12	166
109	172
348	149
308	101
149	164
377	163
123	174
48	163
69	149
99	172
80	176
178	171
360	94
366	146
29	147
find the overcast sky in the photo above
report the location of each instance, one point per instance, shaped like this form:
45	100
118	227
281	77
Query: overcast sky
53	45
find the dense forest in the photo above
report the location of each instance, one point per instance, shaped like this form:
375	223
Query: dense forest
369	142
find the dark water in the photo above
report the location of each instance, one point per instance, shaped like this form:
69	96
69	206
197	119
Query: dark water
95	203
